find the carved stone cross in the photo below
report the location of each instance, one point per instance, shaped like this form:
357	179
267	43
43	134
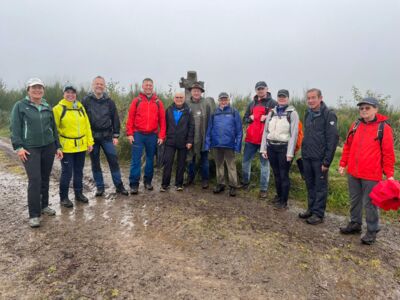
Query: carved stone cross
186	83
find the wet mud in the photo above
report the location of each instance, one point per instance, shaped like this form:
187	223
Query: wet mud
182	245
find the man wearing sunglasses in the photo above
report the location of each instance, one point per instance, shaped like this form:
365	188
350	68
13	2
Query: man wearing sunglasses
367	154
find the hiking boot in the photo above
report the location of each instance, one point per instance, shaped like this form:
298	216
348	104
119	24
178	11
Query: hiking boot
275	200
66	203
48	211
314	220
81	198
204	184
232	192
99	192
189	181
121	190
351	228
164	188
305	215
179	188
148	186
244	186
369	238
263	194
134	190
280	206
219	188
34	222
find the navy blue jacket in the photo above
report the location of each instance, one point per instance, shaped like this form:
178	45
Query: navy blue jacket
224	130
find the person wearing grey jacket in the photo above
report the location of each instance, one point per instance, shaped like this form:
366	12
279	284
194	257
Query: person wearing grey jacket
278	145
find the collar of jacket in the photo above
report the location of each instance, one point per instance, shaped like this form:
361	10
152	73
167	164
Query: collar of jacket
226	108
266	99
378	118
318	113
193	101
182	108
144	97
70	104
42	103
103	97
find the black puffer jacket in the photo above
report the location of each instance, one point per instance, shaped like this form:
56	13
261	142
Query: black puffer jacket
183	133
103	116
320	135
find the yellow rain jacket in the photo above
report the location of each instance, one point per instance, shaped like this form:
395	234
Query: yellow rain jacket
73	126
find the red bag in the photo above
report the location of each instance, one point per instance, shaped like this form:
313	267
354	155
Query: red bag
386	195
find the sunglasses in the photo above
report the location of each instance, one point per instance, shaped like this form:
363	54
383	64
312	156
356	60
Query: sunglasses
364	108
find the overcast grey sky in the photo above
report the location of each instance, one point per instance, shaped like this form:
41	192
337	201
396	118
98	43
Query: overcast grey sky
292	44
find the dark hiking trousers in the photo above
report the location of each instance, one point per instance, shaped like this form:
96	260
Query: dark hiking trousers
72	164
38	168
169	154
280	167
317	186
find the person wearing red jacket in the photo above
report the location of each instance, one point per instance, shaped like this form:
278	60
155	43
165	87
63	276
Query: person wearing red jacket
145	128
368	153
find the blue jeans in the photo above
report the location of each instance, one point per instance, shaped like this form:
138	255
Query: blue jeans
112	159
249	151
204	167
72	165
149	143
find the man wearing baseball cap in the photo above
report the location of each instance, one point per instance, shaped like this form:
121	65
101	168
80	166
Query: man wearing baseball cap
255	117
224	135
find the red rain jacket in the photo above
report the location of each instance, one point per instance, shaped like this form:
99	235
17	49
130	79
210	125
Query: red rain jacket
365	156
146	116
386	195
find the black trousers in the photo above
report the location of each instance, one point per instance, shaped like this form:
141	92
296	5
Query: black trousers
169	155
38	168
317	186
280	167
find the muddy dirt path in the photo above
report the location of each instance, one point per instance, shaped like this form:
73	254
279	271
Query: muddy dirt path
190	245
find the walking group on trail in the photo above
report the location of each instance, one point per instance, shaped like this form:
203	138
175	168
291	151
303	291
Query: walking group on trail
192	128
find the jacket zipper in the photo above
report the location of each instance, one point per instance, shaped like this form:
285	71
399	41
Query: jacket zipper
359	147
77	114
148	115
41	125
26	130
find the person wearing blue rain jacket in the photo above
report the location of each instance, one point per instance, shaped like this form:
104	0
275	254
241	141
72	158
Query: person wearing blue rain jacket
224	135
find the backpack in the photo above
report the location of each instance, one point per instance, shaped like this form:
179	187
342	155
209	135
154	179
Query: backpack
300	133
379	134
64	111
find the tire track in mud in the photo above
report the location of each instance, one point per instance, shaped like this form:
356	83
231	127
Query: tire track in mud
190	245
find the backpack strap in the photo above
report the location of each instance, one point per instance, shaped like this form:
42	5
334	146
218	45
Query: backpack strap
381	129
65	109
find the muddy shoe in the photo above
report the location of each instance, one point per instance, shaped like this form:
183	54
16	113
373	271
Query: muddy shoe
275	200
232	192
48	211
204	184
164	188
81	198
305	215
66	203
34	222
148	186
121	190
263	194
189	181
134	190
179	188
280	206
219	188
351	228
244	186
99	192
314	220
369	238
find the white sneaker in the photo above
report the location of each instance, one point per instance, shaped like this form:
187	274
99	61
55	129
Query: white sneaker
34	222
48	211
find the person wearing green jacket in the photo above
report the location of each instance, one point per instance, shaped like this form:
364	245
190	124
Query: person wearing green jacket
34	137
75	138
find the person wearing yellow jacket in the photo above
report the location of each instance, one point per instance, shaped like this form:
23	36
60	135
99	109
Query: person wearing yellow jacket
76	138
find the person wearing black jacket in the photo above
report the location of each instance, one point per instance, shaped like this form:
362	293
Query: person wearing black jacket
318	150
105	124
180	138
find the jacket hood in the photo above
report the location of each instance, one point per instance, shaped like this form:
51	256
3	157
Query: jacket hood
144	96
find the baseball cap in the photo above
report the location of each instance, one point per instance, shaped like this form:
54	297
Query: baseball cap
223	95
34	81
284	93
261	84
369	100
69	86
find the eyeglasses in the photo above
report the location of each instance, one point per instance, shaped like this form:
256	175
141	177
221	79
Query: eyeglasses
178	97
364	108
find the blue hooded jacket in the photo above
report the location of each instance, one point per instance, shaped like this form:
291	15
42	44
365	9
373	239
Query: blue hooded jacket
224	130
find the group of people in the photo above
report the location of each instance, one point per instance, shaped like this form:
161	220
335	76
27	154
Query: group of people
191	128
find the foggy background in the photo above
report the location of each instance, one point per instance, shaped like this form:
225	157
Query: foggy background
290	44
